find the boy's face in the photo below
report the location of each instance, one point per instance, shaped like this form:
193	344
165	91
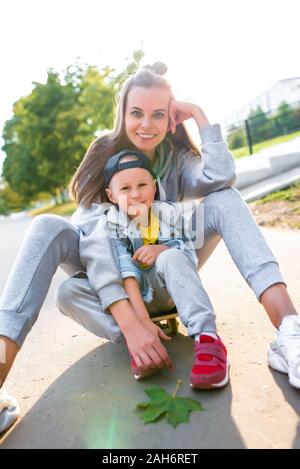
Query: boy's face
133	190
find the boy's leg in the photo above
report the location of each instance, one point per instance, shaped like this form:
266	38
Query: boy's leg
176	271
175	274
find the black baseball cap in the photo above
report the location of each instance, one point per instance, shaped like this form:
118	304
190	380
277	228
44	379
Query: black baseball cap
114	164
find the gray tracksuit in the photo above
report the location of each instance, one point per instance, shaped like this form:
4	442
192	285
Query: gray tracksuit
127	239
174	275
52	241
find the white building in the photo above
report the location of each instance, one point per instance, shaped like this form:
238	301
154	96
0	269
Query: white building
284	90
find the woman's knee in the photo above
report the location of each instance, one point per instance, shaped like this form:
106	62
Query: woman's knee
223	207
65	294
224	197
48	223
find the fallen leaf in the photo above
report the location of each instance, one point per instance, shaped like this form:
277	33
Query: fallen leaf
175	409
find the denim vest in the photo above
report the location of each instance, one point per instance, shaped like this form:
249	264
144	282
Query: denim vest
127	239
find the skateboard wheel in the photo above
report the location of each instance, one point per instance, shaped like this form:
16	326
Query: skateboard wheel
172	326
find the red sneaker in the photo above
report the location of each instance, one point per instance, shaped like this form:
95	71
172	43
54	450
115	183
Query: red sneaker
138	373
211	367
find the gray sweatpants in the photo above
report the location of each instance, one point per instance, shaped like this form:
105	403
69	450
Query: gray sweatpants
53	241
175	282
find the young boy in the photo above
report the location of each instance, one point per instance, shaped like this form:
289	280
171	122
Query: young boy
158	265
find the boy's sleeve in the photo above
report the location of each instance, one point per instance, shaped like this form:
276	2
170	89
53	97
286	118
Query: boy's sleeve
127	266
215	170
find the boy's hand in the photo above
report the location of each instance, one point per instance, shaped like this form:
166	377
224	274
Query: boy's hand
148	254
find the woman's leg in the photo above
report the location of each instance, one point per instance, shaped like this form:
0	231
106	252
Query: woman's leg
8	352
227	216
277	303
75	299
49	242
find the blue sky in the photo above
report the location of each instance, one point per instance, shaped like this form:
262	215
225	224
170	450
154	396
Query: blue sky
220	54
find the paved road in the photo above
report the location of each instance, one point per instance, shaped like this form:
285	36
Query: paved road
76	391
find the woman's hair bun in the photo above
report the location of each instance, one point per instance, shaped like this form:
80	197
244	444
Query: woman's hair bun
158	67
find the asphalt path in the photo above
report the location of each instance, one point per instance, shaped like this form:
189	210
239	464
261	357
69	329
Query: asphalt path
76	390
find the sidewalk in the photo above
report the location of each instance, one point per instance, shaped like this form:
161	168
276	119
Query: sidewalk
76	390
270	170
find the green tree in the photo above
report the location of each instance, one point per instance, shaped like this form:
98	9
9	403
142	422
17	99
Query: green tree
10	201
236	138
35	161
285	117
95	103
258	123
297	118
52	127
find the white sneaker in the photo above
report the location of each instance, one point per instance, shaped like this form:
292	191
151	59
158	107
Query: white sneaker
284	351
9	410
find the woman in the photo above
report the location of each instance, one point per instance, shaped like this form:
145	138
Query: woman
149	119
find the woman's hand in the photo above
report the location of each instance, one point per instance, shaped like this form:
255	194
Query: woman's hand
181	111
156	330
146	348
148	254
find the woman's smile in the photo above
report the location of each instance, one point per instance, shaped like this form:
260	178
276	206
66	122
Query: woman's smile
146	136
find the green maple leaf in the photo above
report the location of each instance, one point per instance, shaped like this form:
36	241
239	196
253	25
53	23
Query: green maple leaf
176	409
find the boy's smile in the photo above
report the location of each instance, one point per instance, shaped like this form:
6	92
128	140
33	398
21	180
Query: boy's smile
133	189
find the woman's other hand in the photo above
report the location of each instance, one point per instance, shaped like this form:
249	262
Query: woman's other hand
156	330
181	111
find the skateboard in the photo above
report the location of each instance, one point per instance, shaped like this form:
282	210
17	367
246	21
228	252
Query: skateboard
166	321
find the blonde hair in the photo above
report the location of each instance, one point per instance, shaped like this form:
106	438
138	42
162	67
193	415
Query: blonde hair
87	184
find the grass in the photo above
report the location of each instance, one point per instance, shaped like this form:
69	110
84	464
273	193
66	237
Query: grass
280	209
244	151
292	194
64	210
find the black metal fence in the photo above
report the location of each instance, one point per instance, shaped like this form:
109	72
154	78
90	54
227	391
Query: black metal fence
261	126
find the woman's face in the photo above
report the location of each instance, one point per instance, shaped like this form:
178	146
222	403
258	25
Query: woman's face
147	117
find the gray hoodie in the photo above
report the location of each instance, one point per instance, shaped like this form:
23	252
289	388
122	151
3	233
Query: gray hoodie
187	177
